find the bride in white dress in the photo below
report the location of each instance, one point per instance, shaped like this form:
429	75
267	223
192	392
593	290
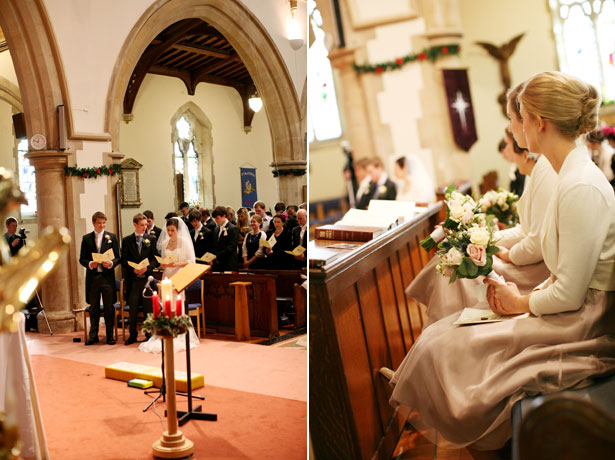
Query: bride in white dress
174	239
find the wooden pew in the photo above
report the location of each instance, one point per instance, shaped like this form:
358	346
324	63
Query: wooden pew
285	281
220	303
361	320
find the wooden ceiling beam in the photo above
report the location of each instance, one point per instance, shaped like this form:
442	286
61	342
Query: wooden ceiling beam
183	75
168	38
219	64
203	50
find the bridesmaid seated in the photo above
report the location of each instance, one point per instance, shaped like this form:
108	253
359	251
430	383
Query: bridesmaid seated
277	258
463	381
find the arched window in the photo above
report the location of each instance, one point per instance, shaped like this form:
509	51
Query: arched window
323	114
585	38
187	169
27	180
193	155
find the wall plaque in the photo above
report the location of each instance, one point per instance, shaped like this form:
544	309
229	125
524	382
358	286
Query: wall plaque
130	196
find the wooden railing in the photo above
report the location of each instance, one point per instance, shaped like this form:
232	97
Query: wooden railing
360	321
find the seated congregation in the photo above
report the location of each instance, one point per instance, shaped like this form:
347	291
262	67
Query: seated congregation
230	243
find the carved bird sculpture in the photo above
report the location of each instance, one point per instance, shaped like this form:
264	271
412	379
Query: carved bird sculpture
502	54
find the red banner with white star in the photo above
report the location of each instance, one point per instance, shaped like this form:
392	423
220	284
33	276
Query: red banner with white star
460	109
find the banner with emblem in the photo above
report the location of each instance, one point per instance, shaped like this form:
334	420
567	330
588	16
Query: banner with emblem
460	109
248	186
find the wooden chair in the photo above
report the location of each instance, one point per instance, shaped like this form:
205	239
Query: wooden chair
117	307
490	182
572	425
195	304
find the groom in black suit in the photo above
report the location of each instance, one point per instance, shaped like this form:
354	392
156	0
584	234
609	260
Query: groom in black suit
99	278
380	187
136	247
225	240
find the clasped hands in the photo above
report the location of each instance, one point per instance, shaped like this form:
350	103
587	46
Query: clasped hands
94	265
505	299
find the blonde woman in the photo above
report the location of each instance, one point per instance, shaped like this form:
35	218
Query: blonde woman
463	381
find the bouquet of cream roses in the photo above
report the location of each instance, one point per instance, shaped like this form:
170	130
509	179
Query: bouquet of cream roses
502	205
461	211
468	253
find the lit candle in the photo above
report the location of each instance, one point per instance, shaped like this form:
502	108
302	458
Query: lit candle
178	307
156	304
166	289
167	308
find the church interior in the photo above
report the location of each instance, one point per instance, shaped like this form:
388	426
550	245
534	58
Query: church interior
112	109
335	130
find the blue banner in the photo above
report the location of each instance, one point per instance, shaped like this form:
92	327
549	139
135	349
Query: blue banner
248	187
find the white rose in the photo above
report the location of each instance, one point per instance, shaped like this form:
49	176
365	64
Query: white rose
445	270
479	236
501	200
456	196
484	203
452	257
468	217
456	212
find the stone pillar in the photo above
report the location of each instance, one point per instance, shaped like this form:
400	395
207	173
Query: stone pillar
51	204
359	131
290	185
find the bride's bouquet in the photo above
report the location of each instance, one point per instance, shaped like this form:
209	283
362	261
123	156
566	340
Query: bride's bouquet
502	205
461	211
468	253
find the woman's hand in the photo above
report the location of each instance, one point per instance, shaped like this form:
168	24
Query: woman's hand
503	254
505	299
269	250
502	226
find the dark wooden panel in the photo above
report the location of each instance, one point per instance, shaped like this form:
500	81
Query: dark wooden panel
407	275
355	353
390	312
401	302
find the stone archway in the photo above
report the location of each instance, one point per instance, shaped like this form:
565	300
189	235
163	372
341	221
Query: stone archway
256	49
9	93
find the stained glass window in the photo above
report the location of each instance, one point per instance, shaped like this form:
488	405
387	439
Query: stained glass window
27	180
323	114
186	161
585	38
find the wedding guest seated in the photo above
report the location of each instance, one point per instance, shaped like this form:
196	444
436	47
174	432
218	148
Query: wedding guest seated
291	221
253	253
224	245
277	258
230	213
207	220
135	248
259	208
170	214
380	186
184	209
200	235
14	239
151	227
300	235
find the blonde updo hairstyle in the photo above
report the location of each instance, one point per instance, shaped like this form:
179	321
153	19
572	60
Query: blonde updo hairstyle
512	97
568	102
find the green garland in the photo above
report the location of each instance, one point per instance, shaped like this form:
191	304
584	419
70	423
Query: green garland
88	173
163	325
432	54
289	172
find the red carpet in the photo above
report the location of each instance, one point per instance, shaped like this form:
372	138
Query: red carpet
89	417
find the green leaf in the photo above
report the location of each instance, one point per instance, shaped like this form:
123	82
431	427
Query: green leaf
492	250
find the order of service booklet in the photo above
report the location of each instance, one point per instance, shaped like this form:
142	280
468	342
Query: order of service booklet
483	315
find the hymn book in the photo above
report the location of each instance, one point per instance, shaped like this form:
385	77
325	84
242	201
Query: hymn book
208	257
169	259
141	265
483	315
270	243
106	256
297	251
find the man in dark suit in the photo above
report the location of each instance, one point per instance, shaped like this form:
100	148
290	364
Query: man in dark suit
184	209
201	235
99	278
151	227
207	220
225	240
380	187
291	221
300	236
136	247
14	239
